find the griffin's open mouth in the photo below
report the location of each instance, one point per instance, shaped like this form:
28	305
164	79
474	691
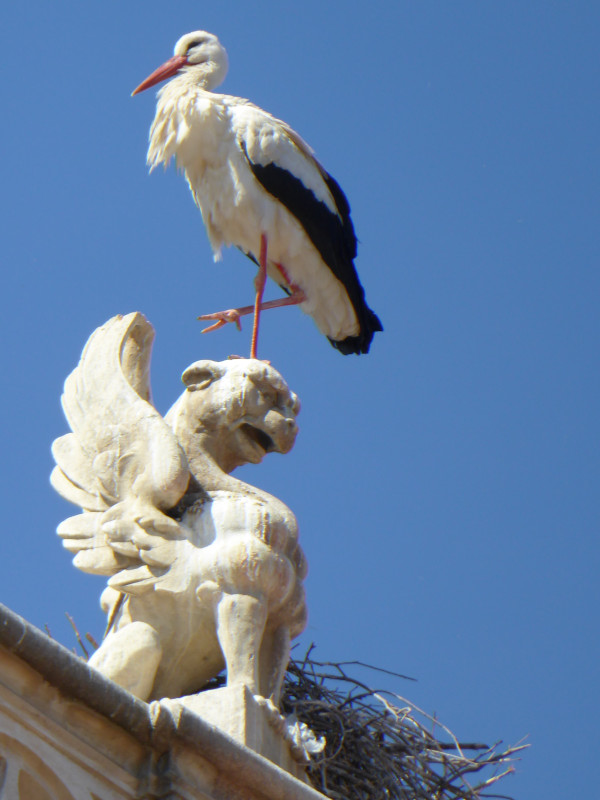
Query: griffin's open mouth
259	437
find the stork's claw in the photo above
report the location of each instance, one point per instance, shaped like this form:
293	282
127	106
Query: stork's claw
235	314
222	318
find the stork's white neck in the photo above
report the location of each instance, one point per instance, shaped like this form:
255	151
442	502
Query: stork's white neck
205	76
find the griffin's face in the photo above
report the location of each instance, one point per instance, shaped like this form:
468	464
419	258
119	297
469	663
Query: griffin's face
244	405
272	433
267	423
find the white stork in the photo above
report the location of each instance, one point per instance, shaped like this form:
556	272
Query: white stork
260	188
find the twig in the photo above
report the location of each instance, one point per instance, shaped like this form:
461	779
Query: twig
77	636
380	749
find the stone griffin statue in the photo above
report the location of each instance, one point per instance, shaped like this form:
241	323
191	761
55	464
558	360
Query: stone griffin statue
205	571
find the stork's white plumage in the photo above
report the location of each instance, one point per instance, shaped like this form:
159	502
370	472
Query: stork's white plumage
260	188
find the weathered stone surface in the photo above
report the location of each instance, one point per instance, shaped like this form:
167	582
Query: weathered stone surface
250	722
205	571
68	733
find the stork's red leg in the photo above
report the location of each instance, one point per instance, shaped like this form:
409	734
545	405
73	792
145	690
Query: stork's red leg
259	283
234	314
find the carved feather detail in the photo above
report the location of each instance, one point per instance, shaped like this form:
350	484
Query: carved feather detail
122	463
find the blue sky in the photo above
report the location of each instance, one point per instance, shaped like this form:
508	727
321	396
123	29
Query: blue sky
445	484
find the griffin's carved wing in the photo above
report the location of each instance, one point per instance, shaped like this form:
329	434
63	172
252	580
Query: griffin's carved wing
122	463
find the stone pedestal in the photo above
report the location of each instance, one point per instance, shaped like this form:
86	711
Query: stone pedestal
68	733
235	711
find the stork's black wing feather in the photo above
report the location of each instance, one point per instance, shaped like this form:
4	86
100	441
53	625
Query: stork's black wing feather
343	207
332	235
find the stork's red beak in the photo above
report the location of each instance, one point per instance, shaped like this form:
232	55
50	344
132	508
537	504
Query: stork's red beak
168	69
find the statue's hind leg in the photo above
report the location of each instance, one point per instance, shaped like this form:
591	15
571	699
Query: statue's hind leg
273	660
240	626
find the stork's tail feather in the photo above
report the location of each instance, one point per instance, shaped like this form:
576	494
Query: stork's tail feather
369	325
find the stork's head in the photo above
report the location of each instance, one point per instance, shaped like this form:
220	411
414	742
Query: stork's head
199	55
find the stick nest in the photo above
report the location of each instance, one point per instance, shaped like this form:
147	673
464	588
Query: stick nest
377	749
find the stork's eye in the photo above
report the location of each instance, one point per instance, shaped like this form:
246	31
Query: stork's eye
197	43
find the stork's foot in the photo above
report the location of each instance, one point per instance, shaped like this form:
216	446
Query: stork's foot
235	314
223	317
